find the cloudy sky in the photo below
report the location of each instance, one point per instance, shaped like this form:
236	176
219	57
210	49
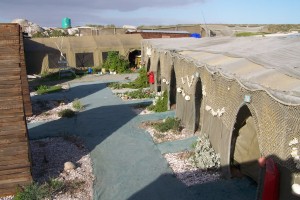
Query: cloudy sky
151	12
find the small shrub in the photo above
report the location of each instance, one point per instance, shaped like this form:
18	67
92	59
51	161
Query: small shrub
168	124
115	85
247	34
193	145
35	191
43	89
140	82
55	186
204	156
66	113
139	94
160	103
77	105
97	69
54	76
31	192
115	62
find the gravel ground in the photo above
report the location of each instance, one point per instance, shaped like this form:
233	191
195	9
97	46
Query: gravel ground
178	162
159	137
188	174
44	110
50	154
48	158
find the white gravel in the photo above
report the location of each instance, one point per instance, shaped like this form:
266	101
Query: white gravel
44	110
48	158
188	174
159	137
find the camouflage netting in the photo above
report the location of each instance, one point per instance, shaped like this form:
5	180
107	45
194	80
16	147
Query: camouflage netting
259	73
43	53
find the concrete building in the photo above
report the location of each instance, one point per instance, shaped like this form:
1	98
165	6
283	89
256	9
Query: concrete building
151	34
42	54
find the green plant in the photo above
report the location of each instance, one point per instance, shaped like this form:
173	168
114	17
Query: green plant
96	69
204	156
168	124
66	113
247	34
115	62
77	105
140	82
37	191
193	145
31	192
160	103
57	33
38	35
139	94
54	186
43	89
115	85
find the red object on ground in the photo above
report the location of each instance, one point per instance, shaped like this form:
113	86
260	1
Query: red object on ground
151	77
262	161
271	181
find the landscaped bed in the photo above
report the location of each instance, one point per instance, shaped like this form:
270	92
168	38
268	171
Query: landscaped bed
166	130
186	172
198	166
52	179
48	110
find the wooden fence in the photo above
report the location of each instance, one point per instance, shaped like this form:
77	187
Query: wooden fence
15	166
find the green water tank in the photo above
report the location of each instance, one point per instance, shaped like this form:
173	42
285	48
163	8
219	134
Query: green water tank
66	22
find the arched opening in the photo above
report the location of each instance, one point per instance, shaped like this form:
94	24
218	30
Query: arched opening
198	100
173	90
134	58
148	65
244	146
158	79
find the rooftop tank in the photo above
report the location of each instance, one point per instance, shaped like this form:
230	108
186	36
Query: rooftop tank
66	22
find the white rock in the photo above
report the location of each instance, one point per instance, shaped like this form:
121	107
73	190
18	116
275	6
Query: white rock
296	189
69	166
293	141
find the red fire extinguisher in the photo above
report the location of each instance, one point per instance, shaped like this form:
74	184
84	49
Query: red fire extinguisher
151	77
271	181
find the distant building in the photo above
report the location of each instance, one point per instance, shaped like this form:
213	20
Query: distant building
42	54
149	34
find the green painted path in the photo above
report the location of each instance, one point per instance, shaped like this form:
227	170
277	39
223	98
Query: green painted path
126	162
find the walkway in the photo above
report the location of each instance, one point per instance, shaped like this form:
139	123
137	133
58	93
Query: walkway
126	162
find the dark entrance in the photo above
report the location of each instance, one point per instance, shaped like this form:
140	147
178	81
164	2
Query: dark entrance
132	57
148	65
173	90
198	100
244	146
158	74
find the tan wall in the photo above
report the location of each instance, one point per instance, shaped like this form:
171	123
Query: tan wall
37	50
276	124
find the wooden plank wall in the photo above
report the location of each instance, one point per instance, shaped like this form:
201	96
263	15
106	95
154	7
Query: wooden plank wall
25	86
15	166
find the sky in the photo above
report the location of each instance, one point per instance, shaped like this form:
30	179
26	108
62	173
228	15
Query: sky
151	12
